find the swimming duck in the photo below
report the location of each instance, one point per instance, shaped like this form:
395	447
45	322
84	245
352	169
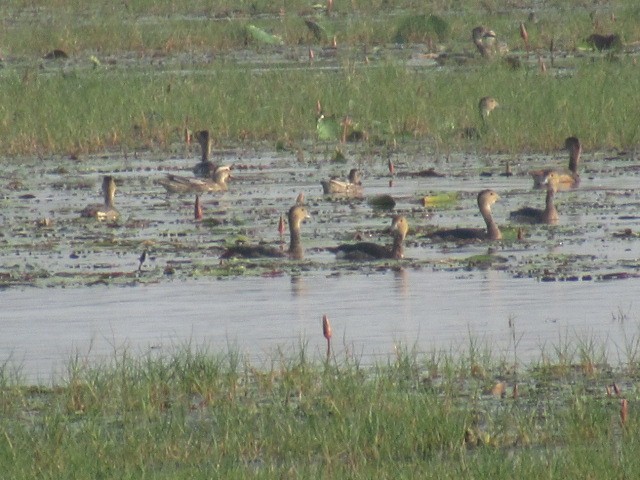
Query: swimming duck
352	187
549	214
105	211
373	251
177	184
205	168
566	180
486	198
297	214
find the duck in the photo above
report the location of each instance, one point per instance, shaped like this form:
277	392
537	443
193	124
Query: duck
484	40
486	105
351	187
549	214
297	214
486	198
105	211
178	184
604	42
372	251
566	180
205	168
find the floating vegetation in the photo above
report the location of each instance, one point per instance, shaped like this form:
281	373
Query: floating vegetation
328	128
263	37
440	200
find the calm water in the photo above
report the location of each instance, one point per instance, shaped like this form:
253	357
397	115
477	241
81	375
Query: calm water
370	315
426	306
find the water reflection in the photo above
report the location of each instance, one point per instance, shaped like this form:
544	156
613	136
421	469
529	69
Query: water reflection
298	287
370	314
400	284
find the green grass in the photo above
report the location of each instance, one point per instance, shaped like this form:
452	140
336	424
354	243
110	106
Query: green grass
88	110
175	69
193	414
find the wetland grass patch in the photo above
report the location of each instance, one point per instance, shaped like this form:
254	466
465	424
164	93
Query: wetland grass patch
194	414
87	110
134	84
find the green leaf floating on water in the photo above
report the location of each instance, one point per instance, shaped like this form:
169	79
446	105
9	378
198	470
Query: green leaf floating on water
328	128
446	199
261	36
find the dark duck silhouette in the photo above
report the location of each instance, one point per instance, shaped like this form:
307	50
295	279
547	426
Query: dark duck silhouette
104	211
372	251
486	198
205	168
297	214
549	214
567	179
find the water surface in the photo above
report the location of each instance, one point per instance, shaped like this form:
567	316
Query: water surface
73	286
371	316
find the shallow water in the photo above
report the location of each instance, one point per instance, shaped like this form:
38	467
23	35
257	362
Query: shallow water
74	285
371	316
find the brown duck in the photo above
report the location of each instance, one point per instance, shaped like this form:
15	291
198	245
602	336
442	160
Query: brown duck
566	180
105	211
178	184
373	251
297	214
351	187
486	198
549	214
484	40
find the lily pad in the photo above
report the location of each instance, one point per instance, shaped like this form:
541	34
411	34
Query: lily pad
261	36
328	128
445	199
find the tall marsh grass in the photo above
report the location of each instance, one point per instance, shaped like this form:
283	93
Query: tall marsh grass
81	110
141	72
194	414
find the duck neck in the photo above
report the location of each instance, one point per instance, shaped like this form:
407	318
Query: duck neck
205	145
205	155
109	194
550	208
397	251
549	199
493	232
574	159
295	244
